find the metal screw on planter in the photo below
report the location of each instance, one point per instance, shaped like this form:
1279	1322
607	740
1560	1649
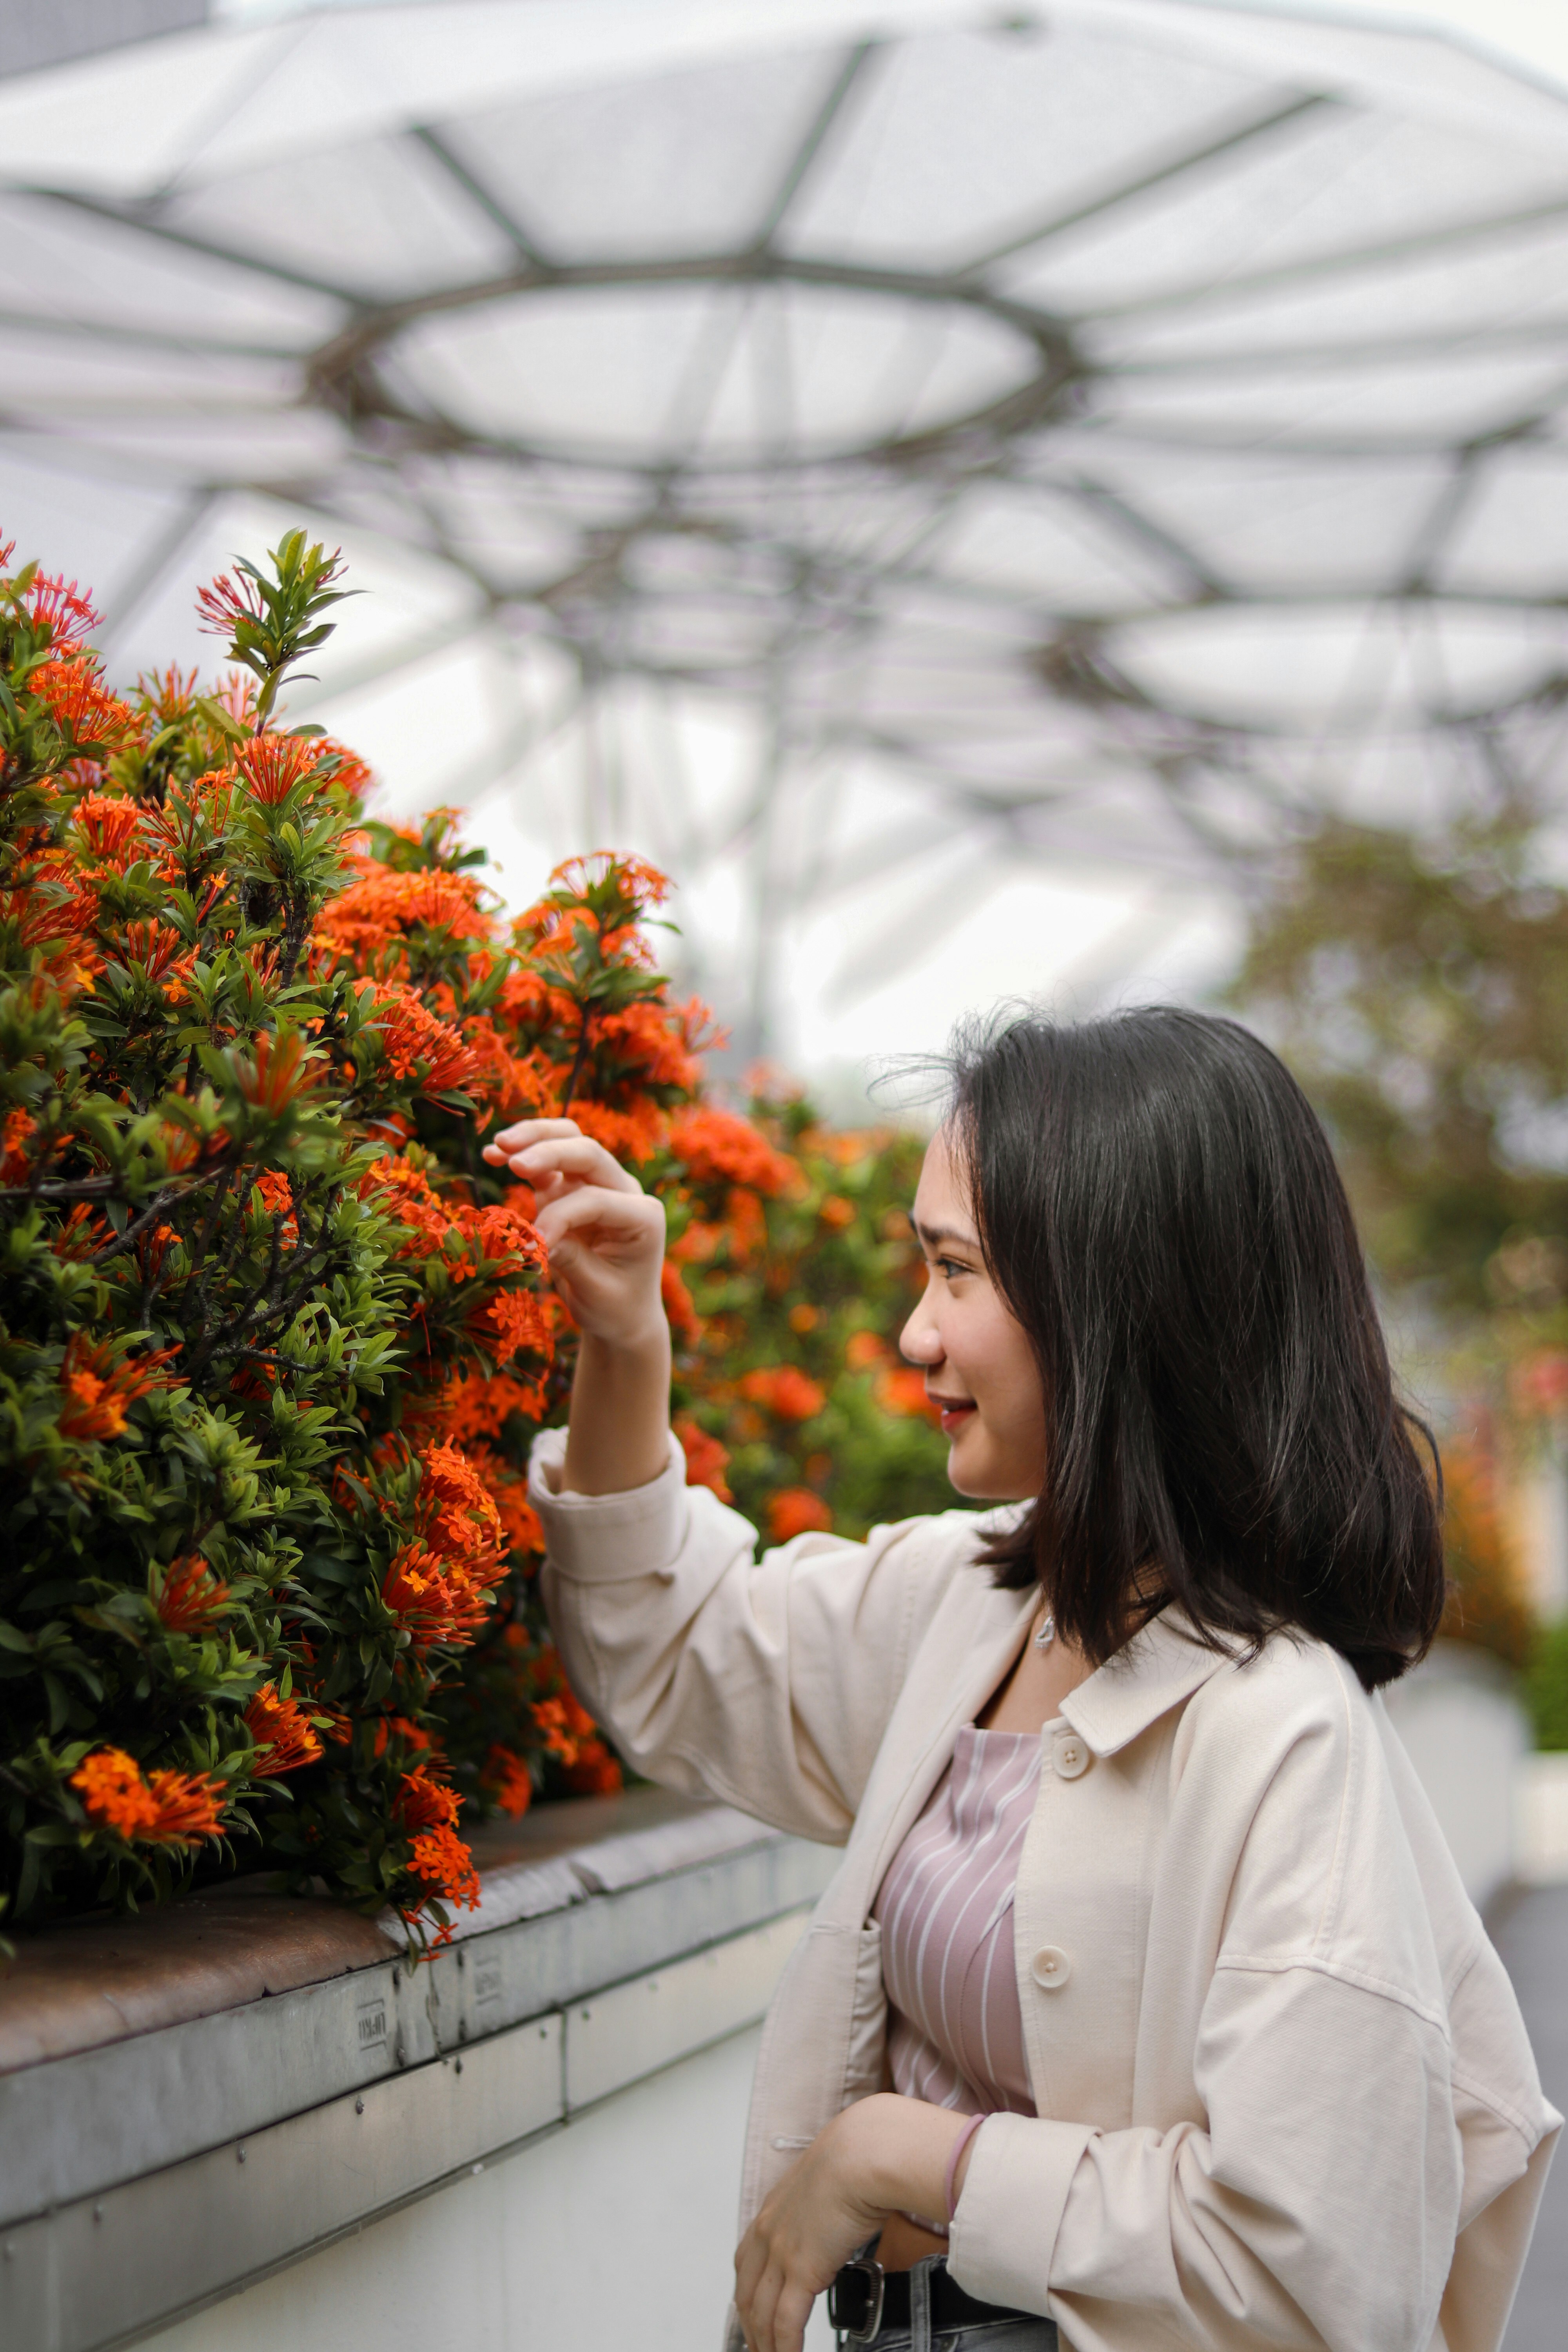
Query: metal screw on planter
359	2107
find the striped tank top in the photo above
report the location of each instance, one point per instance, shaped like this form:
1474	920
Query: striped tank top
955	2032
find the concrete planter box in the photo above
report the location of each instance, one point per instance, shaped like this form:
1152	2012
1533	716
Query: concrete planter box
191	2101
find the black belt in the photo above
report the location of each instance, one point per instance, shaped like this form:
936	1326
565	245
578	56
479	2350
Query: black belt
865	2301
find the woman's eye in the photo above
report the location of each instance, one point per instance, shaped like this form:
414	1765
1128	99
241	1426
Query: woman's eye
948	1266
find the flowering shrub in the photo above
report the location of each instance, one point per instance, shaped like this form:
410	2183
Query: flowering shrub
241	1557
274	1338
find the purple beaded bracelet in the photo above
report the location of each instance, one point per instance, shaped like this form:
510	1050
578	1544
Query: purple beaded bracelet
959	2144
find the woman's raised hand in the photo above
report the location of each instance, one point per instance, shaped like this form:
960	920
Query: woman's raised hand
603	1233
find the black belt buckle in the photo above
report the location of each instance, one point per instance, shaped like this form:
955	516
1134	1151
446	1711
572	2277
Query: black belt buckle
855	2299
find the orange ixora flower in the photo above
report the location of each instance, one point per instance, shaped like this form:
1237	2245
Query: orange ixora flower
796	1511
114	1793
433	1599
475	1410
79	703
276	1071
458	1515
272	765
98	1390
684	1319
15	1130
55	603
227	601
108	826
706	1459
445	1865
638	879
720	1147
418	1045
188	1808
514	1323
424	1804
565	1726
187	1596
784	1391
507	1777
372	922
284	1735
166	1809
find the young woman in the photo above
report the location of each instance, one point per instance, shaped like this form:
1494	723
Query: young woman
1146	2004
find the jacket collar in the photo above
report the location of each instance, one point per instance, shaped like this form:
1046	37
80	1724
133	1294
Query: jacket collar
1159	1669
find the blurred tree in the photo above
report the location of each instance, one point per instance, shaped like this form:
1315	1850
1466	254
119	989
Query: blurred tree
1419	986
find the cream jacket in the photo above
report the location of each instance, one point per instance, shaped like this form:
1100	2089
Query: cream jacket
1285	2096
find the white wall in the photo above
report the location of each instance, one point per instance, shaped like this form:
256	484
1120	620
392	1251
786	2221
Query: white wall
615	2234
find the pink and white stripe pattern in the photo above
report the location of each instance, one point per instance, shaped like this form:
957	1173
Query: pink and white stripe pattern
955	2033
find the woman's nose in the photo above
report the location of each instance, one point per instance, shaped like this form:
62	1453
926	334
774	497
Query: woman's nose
920	1342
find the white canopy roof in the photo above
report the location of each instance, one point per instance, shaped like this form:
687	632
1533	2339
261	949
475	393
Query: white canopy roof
860	458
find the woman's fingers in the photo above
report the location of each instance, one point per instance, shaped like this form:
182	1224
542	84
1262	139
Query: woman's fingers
751	2258
790	2315
574	1155
625	1221
524	1132
759	2313
564	1151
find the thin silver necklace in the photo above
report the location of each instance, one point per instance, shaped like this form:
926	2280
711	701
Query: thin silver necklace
1045	1632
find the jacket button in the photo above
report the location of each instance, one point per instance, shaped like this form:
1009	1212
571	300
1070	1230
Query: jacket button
1071	1757
1050	1967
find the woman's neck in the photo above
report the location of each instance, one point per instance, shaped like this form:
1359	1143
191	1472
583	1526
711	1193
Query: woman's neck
1034	1691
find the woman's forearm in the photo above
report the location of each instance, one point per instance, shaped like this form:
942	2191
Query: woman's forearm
619	1431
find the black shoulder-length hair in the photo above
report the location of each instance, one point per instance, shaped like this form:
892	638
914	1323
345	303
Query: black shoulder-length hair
1160	1208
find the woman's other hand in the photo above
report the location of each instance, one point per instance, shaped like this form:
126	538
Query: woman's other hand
883	2156
606	1239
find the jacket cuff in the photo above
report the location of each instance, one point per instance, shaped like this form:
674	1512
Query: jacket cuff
608	1539
1014	2193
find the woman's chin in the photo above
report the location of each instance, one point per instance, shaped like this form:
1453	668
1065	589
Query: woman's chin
966	1470
974	1471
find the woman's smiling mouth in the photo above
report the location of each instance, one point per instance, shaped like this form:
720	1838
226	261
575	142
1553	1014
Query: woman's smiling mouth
954	1410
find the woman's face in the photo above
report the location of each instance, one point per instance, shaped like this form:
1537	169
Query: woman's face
977	1361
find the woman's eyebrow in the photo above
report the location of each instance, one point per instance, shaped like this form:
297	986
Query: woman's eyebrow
933	1234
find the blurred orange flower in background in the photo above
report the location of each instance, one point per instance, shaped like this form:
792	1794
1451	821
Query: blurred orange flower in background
784	1389
796	1511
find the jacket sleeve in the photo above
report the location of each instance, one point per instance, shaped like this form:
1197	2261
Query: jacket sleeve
766	1683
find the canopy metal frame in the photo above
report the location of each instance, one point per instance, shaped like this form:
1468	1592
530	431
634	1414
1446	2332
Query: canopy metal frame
1060	739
